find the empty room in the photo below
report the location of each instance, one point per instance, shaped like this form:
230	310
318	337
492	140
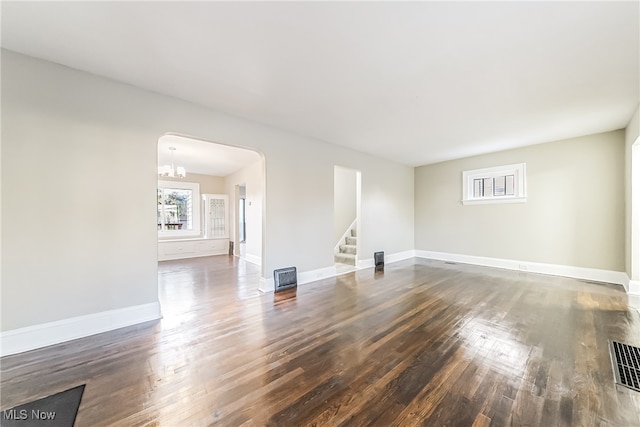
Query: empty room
366	213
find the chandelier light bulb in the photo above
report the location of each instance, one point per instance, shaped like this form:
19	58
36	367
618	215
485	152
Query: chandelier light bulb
171	171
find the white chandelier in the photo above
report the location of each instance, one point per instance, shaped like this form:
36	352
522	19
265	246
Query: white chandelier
171	171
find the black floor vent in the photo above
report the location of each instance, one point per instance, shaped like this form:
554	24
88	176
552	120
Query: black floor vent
625	360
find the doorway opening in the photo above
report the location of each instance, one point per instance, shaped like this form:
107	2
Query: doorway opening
346	218
215	205
242	222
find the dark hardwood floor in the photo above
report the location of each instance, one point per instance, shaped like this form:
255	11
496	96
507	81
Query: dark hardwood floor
424	343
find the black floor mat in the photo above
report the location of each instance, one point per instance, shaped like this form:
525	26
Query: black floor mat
57	410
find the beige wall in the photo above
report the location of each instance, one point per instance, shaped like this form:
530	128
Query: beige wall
574	214
80	249
632	225
209	184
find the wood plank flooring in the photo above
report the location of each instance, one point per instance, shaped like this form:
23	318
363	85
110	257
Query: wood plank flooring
424	343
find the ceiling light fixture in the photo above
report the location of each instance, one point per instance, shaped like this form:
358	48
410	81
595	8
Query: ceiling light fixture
171	171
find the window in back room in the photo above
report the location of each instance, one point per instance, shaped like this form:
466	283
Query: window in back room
178	208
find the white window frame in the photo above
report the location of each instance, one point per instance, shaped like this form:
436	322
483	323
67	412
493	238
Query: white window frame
518	170
195	215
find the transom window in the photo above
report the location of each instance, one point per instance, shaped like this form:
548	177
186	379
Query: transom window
502	184
178	208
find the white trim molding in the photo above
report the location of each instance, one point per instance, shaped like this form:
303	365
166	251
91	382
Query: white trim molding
253	259
45	334
513	186
594	274
625	283
267	285
634	287
495	200
388	259
194	187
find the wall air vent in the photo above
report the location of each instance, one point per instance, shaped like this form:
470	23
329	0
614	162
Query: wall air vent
285	278
378	259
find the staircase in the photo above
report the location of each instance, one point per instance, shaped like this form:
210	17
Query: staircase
347	253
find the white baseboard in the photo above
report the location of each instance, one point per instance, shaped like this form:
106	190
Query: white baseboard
388	259
608	276
267	284
313	275
634	287
253	259
625	283
45	334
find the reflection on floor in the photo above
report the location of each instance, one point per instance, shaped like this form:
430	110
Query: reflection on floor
422	343
344	268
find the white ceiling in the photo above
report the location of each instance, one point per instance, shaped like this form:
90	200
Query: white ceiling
415	82
204	157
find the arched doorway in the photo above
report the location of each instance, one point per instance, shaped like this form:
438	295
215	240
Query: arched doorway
198	199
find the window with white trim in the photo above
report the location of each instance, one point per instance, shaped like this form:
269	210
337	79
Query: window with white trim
178	209
501	184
